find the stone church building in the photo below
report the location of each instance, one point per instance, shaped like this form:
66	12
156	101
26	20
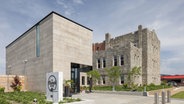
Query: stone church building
140	48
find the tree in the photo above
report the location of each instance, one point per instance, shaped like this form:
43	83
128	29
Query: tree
16	85
113	74
134	71
94	75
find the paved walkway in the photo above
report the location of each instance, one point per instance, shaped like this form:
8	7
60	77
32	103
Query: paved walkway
97	98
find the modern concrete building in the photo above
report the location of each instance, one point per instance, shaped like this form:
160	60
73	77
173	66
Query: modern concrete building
55	43
140	48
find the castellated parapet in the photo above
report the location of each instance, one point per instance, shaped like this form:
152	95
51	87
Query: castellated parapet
140	48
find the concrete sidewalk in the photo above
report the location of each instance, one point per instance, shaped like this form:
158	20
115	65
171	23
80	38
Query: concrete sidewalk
98	98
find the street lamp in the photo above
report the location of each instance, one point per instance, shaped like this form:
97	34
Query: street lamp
25	61
25	80
8	72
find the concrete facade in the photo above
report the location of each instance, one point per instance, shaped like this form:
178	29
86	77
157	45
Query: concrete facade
140	48
49	46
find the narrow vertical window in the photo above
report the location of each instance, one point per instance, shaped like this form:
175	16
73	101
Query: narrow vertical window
103	79
83	80
122	79
122	60
37	40
104	63
115	61
98	63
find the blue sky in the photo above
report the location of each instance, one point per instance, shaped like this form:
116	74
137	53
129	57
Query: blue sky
117	17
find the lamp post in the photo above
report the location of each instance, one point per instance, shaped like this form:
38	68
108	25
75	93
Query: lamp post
8	72
25	61
25	80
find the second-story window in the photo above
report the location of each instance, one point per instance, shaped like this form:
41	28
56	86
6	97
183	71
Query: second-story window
98	61
115	61
122	60
104	62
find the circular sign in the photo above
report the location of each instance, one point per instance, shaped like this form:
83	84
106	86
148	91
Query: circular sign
52	83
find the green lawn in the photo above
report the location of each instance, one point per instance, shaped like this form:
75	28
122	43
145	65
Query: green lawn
123	88
27	98
22	98
179	95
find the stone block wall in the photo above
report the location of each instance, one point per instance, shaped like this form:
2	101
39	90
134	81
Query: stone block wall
6	82
140	48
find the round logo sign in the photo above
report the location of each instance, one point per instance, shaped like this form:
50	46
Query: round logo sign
52	83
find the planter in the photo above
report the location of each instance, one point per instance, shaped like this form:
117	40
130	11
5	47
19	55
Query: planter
67	92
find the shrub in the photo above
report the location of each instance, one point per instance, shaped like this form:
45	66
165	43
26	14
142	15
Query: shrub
134	87
16	85
152	84
164	83
82	88
69	100
125	85
105	88
2	89
3	101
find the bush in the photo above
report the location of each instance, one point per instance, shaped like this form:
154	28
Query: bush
83	88
105	88
152	84
2	90
23	97
135	87
164	83
125	85
16	85
3	101
69	100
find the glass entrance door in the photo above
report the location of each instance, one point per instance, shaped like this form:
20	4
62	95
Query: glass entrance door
76	80
75	75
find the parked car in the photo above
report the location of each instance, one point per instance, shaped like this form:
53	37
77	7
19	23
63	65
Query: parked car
172	83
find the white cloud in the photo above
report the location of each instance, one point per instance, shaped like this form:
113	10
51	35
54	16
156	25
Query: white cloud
171	42
172	65
78	1
181	28
62	3
158	24
68	13
69	6
117	17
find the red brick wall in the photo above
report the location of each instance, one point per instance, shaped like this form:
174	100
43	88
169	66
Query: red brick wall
99	46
